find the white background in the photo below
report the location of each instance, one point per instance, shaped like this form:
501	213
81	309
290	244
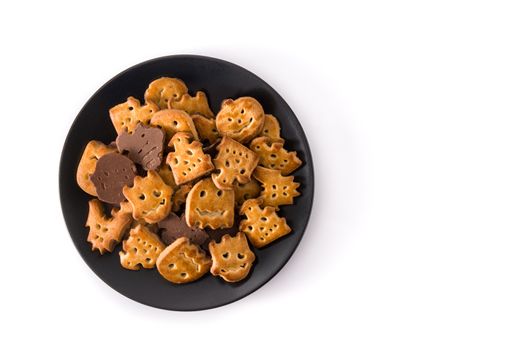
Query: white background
415	114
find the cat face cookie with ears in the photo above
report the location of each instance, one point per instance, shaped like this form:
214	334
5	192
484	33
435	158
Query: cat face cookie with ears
232	258
277	189
126	116
150	197
93	151
142	247
143	146
271	128
173	121
183	262
209	206
272	155
262	226
234	162
241	120
192	105
161	90
104	232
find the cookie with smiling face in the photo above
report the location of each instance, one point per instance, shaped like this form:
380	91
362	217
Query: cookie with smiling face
161	90
241	119
232	258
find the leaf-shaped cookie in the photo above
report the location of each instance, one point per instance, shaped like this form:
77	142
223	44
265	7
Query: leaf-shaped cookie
192	105
126	116
142	247
272	155
277	189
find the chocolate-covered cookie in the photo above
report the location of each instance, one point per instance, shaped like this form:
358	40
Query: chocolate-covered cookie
112	173
174	227
144	146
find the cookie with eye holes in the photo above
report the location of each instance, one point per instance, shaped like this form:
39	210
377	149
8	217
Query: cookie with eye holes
209	206
105	233
173	121
161	90
277	189
197	104
150	197
126	116
231	258
206	128
241	119
271	128
262	225
141	248
86	167
272	155
187	161
234	162
246	191
183	262
143	146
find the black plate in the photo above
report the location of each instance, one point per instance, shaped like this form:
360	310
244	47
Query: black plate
220	80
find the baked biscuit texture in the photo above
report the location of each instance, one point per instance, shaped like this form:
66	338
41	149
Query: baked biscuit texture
241	119
86	167
234	162
161	90
232	258
173	121
272	155
142	248
127	115
277	189
197	104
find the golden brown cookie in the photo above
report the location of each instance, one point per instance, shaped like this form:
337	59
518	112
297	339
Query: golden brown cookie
192	105
271	128
173	121
187	161
142	247
179	197
277	189
167	175
86	167
234	162
161	90
241	120
246	191
206	128
208	206
232	258
105	233
150	197
262	226
272	155
127	115
183	262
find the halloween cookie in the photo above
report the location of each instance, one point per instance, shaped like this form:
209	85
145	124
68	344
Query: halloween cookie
113	171
262	226
173	121
105	233
86	167
150	197
161	90
232	258
271	128
174	227
241	120
142	248
234	162
179	197
183	262
192	105
143	146
272	155
277	189
209	206
246	191
206	128
126	116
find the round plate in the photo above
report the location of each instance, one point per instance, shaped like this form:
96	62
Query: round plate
219	80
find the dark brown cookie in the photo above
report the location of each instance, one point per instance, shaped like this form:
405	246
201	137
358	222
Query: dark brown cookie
112	173
144	146
174	227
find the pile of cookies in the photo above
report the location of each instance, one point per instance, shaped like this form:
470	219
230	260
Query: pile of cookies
189	191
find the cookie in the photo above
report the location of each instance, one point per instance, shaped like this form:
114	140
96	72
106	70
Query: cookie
272	155
262	226
142	248
86	167
192	105
161	90
277	189
179	197
187	161
174	227
126	116
166	174
150	197
208	206
105	233
173	121
113	171
206	128
231	258
183	262
246	191
271	128
234	162
144	146
216	235
242	119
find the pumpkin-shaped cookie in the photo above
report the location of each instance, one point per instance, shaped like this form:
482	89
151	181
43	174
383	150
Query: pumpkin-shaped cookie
242	119
232	258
